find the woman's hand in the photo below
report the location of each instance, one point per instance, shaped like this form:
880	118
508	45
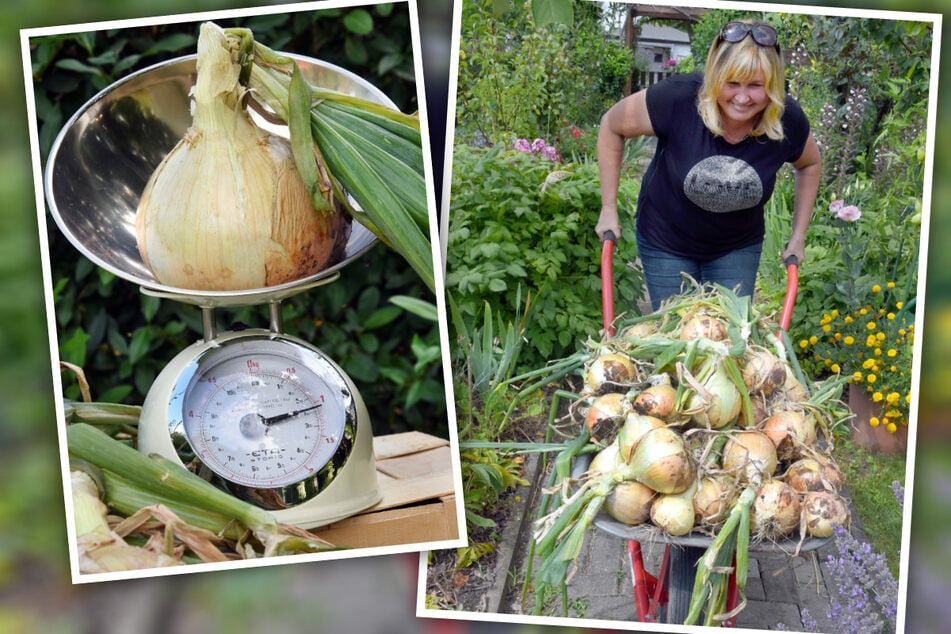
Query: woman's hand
795	249
608	221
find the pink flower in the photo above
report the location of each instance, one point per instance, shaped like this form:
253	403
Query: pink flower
836	205
538	145
849	213
575	132
522	146
550	153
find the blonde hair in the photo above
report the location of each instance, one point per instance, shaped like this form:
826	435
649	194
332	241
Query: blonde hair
740	61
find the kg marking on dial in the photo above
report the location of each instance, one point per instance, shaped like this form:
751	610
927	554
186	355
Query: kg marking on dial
258	422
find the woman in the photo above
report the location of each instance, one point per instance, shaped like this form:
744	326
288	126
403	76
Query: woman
721	138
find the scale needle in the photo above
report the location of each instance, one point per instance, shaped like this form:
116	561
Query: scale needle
270	420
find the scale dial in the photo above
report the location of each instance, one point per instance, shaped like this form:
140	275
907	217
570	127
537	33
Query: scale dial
273	419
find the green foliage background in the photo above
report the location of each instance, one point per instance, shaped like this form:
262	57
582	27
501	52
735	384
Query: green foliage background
122	339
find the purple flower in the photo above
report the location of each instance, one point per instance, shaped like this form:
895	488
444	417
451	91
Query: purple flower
522	145
849	213
550	153
538	145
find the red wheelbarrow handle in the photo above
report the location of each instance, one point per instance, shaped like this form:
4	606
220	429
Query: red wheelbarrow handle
792	287
607	280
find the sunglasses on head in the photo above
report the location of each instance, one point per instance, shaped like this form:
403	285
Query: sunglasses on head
762	34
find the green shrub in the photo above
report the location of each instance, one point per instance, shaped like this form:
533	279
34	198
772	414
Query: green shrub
520	220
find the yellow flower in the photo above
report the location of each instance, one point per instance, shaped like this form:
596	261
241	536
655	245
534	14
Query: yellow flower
835	313
803	344
873	421
877	397
890	316
898	305
890	285
870	325
892	353
826	328
848	319
876	288
893	398
863	312
835	368
871	378
891	427
849	340
857	375
813	340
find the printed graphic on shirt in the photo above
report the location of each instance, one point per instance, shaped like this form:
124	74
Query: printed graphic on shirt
723	183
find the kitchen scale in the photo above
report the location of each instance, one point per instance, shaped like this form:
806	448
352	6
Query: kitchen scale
265	414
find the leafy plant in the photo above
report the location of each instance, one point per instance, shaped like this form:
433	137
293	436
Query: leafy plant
123	338
517	223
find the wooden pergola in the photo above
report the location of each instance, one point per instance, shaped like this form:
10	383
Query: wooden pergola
690	15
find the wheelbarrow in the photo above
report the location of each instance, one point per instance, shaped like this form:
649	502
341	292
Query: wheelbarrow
665	597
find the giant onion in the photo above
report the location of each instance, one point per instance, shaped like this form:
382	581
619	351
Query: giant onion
227	209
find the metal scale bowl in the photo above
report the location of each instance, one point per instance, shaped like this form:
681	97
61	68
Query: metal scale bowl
270	415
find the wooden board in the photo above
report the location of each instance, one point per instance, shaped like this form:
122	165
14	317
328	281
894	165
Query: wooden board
414	473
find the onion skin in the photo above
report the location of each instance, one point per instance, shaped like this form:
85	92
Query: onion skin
750	454
763	372
703	326
639	330
790	431
795	392
713	499
629	502
606	415
609	368
723	406
605	461
805	475
776	510
633	430
656	401
674	513
822	511
226	209
661	462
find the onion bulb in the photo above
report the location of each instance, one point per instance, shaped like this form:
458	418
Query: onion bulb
790	431
638	330
634	428
720	405
775	510
763	372
661	461
657	400
703	326
822	511
714	498
609	368
606	415
605	461
629	502
226	209
750	454
795	392
805	475
674	512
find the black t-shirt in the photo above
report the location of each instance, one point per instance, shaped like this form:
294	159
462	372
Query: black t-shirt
702	197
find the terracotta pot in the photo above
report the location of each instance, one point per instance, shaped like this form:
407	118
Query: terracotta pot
874	438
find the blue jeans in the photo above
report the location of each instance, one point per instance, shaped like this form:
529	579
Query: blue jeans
664	271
